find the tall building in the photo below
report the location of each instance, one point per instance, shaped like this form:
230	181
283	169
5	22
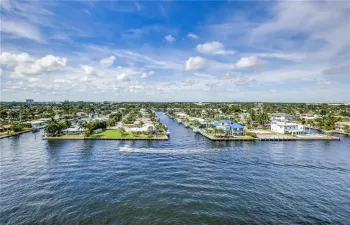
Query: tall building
29	101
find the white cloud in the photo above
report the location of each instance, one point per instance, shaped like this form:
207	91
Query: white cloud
324	24
190	82
127	70
170	38
106	62
147	74
62	81
25	65
250	62
341	68
196	64
124	77
214	47
192	35
323	83
211	85
12	60
20	29
89	70
286	56
244	80
227	76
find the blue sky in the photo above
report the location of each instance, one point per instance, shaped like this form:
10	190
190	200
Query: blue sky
289	51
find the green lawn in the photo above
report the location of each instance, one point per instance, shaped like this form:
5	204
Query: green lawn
108	134
5	133
116	134
71	136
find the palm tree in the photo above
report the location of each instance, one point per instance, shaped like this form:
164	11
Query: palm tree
82	124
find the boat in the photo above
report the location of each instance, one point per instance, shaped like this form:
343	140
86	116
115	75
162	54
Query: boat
186	125
179	121
196	130
35	129
168	133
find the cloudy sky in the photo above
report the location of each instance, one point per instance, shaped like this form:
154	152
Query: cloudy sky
289	51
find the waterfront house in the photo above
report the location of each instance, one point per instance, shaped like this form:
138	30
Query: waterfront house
181	115
230	127
38	124
73	130
5	128
341	125
281	117
287	128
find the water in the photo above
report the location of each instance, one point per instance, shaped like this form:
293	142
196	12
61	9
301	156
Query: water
186	180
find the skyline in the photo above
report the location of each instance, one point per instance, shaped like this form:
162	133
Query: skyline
175	51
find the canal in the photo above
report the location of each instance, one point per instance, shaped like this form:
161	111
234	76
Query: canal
186	180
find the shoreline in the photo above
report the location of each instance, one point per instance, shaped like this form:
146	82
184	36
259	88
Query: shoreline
164	138
283	138
16	134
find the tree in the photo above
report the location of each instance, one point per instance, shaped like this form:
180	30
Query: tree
111	122
122	131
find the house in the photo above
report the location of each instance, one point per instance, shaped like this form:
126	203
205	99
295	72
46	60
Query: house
182	115
281	117
147	127
29	101
287	128
341	125
38	124
73	130
229	126
243	116
5	128
309	116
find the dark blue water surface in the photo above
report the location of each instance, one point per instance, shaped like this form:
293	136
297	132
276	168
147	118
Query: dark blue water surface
186	180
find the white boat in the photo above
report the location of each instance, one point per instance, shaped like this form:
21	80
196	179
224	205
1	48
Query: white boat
167	133
179	121
186	125
196	130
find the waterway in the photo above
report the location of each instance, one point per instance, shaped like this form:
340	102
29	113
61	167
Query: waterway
186	180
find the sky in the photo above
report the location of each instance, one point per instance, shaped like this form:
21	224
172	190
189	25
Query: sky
274	51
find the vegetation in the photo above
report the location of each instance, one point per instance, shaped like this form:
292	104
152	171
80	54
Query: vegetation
252	115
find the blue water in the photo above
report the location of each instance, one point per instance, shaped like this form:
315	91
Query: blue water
186	180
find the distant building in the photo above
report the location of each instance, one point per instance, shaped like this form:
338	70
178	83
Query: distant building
341	125
29	101
287	128
229	126
281	117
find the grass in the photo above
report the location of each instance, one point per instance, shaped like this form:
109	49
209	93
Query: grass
108	134
71	136
116	134
12	132
5	133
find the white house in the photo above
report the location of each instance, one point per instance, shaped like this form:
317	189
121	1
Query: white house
284	127
341	125
281	117
38	124
73	130
182	115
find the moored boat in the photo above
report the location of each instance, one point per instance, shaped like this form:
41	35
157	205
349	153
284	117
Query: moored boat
35	129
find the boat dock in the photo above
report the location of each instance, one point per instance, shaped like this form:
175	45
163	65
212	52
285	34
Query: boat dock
272	137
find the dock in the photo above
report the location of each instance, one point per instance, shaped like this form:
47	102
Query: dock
272	137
